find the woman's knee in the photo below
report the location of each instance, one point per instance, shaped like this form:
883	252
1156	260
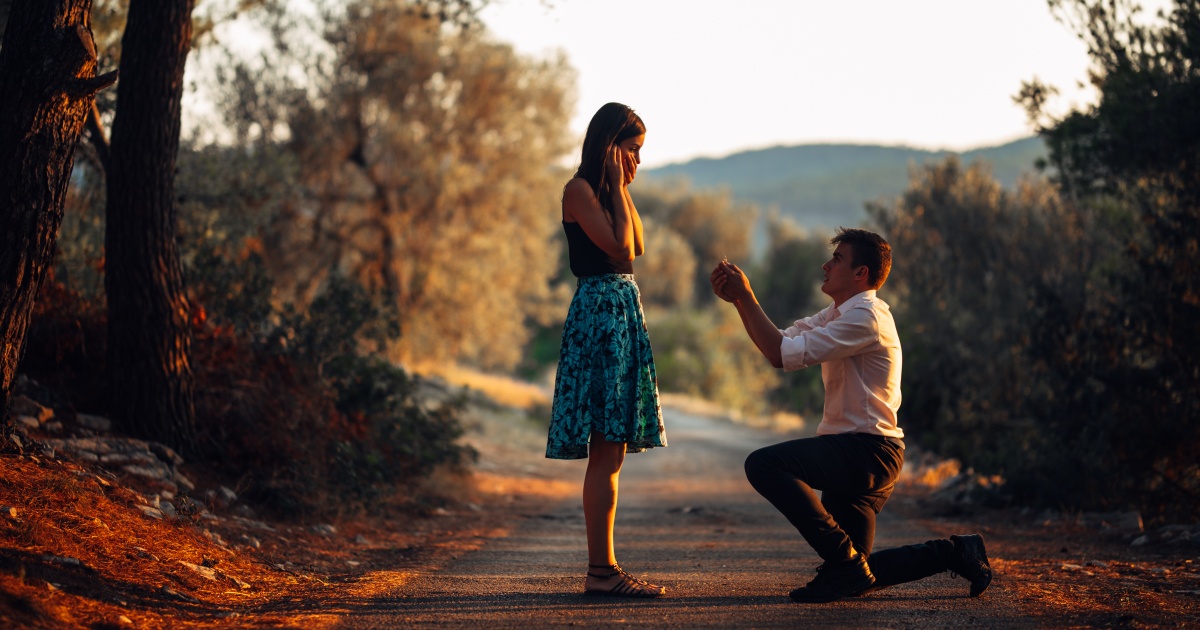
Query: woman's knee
606	454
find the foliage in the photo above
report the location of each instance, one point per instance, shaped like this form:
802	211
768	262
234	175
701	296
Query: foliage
297	405
787	284
1136	152
705	353
666	273
976	267
1050	332
710	222
422	151
790	272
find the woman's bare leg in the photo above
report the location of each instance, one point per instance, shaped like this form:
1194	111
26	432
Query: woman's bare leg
599	513
600	498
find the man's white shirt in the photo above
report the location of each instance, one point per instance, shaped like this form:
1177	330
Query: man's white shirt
858	349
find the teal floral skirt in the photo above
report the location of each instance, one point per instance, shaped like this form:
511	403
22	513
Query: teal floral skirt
605	381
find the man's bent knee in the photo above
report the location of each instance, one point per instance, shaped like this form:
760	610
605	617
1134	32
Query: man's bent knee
758	464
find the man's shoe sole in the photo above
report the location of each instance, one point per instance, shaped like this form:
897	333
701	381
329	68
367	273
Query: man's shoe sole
803	596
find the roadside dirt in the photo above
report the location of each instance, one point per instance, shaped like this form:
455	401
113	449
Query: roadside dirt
75	552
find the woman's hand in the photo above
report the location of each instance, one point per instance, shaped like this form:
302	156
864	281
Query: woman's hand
614	164
630	167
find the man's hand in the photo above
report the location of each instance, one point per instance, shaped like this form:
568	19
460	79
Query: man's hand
718	280
730	283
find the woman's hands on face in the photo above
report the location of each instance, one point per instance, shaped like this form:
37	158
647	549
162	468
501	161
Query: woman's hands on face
614	166
630	166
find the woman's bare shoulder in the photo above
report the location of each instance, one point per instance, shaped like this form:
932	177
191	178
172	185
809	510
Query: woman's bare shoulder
578	197
578	186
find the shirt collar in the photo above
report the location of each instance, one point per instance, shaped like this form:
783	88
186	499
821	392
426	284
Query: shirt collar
859	299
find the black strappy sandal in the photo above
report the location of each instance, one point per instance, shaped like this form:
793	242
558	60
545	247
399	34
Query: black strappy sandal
629	586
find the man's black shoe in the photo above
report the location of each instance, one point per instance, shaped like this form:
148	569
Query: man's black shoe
971	562
835	581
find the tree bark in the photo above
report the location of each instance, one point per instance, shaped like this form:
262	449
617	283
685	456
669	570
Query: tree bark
48	79
149	338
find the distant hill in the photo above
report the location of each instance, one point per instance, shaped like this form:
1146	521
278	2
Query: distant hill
827	185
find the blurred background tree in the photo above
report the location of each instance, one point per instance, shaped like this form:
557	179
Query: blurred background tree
1050	331
1134	154
420	163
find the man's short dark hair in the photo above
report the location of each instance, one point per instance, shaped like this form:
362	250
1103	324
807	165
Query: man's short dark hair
867	249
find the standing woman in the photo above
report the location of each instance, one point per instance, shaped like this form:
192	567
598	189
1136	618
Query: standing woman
605	390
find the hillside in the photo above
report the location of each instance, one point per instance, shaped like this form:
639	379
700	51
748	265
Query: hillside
827	185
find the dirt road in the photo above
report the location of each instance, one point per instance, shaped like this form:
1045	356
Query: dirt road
687	520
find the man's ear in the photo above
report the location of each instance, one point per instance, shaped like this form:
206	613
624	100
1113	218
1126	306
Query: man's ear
862	272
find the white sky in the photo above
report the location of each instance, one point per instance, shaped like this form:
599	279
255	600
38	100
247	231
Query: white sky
712	77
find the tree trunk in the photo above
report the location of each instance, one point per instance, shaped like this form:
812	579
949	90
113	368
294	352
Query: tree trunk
149	340
48	82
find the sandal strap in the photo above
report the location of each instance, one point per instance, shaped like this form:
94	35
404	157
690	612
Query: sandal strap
628	586
615	570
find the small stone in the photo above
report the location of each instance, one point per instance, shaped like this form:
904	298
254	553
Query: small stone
215	537
184	482
324	529
124	621
1071	567
25	406
151	512
170	592
361	540
1097	563
226	576
64	561
54	426
9	511
206	572
96	423
29	422
1139	541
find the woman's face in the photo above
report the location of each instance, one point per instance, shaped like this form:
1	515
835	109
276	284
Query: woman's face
633	148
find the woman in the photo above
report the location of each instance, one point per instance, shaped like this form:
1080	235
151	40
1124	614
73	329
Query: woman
605	390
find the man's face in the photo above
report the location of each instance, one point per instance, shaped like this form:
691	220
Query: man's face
840	283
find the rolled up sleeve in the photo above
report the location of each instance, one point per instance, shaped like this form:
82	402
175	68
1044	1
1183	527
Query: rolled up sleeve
792	351
850	334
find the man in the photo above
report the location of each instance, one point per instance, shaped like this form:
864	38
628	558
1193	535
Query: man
859	449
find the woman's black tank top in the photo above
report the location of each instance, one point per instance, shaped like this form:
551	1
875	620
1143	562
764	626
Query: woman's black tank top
587	259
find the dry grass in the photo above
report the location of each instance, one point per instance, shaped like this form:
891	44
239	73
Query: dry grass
504	390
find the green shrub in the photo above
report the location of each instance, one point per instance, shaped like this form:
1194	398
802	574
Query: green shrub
295	404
